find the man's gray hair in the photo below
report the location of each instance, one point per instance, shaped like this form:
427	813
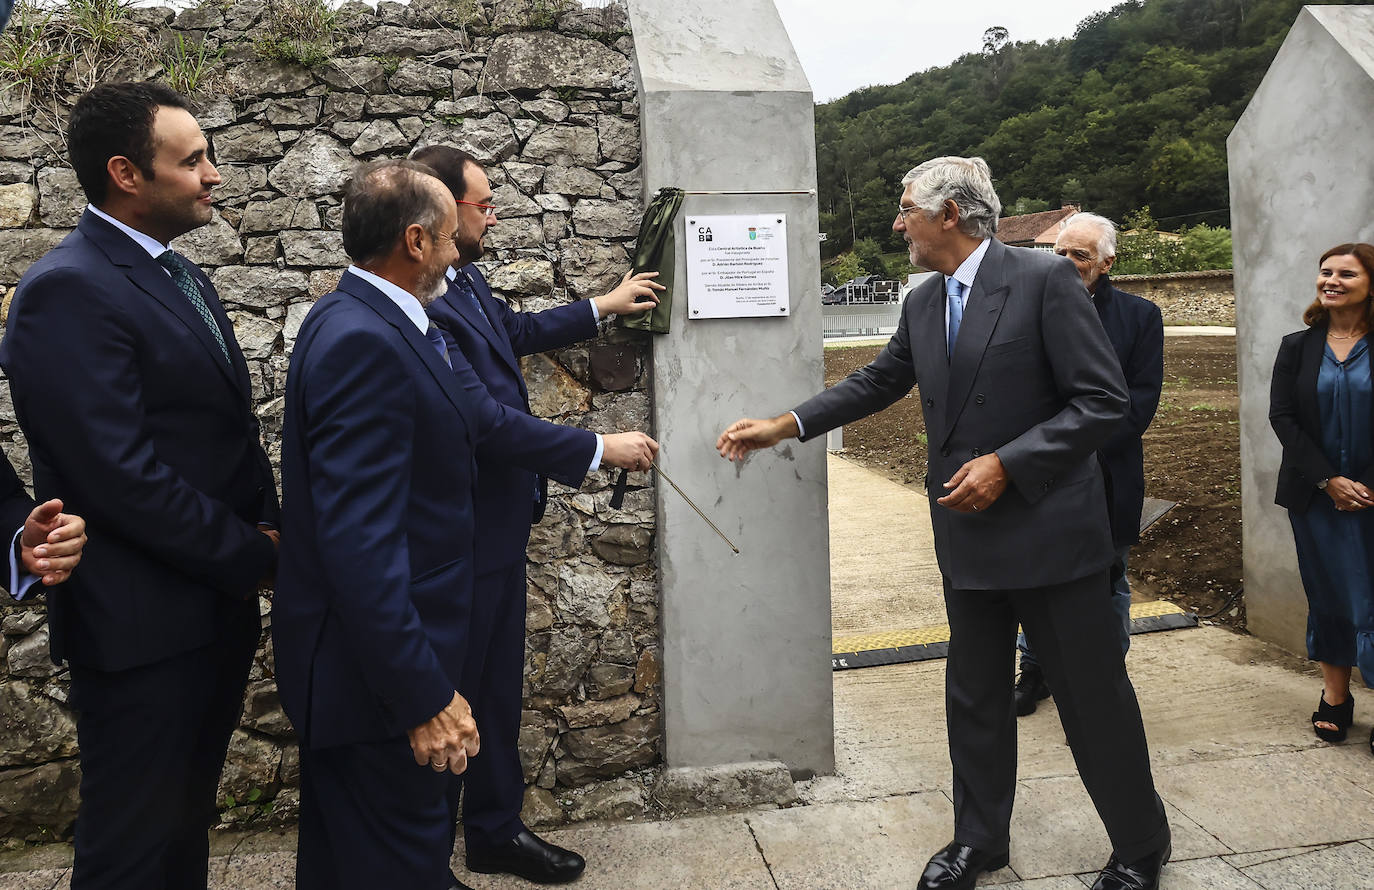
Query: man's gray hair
965	181
1106	231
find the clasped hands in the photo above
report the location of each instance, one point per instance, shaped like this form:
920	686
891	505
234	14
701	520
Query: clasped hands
1349	495
446	741
974	486
51	542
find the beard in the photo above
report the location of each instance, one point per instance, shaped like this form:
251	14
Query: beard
432	286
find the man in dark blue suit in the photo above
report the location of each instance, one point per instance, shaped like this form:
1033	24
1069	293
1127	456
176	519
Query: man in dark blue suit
1136	331
148	431
509	498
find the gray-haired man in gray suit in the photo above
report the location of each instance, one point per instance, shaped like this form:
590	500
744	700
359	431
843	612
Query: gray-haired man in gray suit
1019	387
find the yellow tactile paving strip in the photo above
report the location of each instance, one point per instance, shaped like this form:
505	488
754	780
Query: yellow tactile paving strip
939	633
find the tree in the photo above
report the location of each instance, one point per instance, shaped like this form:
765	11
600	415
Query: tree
1207	247
994	39
846	267
870	257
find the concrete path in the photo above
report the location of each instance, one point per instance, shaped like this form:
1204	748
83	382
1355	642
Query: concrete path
1255	801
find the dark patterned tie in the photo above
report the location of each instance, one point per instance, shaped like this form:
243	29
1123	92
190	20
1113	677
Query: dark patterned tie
182	276
436	339
466	287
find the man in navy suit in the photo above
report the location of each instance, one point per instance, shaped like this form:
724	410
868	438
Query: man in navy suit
148	432
509	498
46	544
1136	331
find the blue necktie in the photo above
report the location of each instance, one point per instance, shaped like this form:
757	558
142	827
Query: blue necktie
955	291
436	339
466	287
181	275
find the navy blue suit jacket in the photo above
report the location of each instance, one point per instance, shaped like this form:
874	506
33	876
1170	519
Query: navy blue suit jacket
135	419
1136	330
494	350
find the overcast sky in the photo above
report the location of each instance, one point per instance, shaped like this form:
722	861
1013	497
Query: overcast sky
847	45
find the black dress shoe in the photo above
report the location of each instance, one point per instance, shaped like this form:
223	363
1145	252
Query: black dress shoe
1030	688
527	856
958	866
1143	874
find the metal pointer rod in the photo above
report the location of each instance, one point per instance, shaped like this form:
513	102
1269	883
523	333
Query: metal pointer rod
703	516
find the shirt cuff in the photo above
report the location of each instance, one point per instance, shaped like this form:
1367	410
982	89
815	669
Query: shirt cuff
600	449
20	579
801	430
596	316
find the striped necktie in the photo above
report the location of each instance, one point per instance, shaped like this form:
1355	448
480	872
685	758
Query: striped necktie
181	274
466	287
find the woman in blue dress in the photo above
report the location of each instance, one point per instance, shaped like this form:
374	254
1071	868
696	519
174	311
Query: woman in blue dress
1321	405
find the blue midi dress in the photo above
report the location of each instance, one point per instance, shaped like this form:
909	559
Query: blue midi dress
1336	548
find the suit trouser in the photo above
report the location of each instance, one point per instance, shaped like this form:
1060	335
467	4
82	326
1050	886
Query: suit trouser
493	786
153	740
1072	629
1121	606
372	818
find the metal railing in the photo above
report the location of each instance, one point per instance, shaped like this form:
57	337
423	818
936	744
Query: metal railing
859	320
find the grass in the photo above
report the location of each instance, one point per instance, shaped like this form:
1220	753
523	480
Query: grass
188	64
299	32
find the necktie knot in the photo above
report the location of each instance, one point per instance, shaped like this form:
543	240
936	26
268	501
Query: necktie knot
181	276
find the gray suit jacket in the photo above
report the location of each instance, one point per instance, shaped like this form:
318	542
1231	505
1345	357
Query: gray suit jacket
1033	378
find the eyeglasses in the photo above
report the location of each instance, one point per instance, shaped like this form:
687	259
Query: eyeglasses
903	211
489	208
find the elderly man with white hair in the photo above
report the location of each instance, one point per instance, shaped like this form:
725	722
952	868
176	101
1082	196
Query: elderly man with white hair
1019	388
1136	330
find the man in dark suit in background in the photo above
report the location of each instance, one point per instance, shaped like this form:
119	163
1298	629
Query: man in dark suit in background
509	498
1019	388
1136	331
148	432
47	543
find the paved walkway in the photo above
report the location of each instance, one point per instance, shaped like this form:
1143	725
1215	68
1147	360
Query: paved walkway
1255	801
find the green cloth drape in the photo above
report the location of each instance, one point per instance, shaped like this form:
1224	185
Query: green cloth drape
654	253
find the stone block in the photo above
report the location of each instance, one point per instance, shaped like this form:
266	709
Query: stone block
560	669
648	672
624	545
17	204
619	139
238	181
247	142
563	145
541	809
15	171
727	786
600	713
20	624
531	61
314	249
257	336
259	287
302	112
60	198
34	727
620	412
39	801
553	391
511	202
606	219
26	144
251	763
396	105
525	276
520	232
548	110
576	181
389	40
361	75
488	139
616	799
380	135
268	78
316	165
422	78
607	681
601	752
213	244
262	710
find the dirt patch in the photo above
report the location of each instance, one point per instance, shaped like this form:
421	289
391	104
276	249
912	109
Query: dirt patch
1192	456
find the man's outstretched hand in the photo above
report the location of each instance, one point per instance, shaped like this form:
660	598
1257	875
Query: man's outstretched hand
629	451
51	543
634	293
749	434
446	741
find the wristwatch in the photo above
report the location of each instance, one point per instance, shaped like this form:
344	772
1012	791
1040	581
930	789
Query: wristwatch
1322	484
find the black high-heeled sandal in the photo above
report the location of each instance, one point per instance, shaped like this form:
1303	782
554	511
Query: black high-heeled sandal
1340	716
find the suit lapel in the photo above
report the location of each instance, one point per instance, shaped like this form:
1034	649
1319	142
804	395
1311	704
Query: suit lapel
981	312
1309	366
429	357
498	339
148	276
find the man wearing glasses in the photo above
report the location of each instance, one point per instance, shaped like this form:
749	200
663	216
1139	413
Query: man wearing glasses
1136	331
493	337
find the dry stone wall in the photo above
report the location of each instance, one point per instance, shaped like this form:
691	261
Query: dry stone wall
1188	298
553	115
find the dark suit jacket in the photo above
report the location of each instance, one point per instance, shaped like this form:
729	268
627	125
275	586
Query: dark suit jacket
1296	419
1034	379
494	350
1136	330
135	419
374	589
